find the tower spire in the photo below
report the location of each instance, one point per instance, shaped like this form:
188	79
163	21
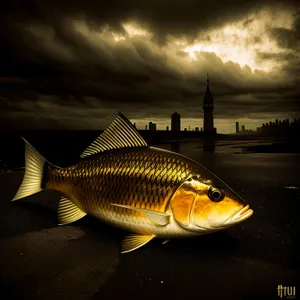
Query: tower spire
208	107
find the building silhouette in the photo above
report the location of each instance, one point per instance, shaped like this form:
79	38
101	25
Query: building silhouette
280	128
244	131
208	107
152	126
175	122
237	127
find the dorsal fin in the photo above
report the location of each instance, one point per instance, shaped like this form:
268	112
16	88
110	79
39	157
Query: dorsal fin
120	134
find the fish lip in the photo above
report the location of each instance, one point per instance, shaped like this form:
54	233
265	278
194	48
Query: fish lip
241	215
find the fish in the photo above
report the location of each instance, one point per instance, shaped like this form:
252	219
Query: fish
147	191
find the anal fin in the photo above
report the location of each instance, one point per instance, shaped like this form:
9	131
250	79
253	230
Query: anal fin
68	212
135	241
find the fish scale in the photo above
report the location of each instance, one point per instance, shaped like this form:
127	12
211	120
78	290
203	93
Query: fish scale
121	177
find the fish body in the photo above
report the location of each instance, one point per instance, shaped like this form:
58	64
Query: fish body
151	192
144	178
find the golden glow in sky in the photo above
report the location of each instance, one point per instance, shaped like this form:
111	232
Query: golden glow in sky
133	30
238	41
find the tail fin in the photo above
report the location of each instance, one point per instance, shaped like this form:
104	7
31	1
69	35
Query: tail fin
34	171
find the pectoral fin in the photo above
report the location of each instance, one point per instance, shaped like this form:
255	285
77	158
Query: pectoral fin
68	212
165	241
158	218
135	241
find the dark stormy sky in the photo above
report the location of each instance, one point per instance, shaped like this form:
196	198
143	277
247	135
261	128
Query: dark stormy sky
76	64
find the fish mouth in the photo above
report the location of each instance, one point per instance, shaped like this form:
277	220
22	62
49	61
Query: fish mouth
238	217
241	215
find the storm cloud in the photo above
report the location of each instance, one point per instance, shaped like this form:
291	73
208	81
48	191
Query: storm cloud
69	64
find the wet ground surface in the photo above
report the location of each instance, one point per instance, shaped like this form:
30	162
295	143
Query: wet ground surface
40	260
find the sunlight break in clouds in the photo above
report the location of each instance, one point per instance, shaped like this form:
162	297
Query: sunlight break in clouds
134	30
105	33
239	41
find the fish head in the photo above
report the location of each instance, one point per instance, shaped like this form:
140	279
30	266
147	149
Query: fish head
202	204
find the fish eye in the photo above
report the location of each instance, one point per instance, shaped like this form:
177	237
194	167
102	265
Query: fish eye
216	194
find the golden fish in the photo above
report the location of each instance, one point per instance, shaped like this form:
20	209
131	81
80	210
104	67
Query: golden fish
151	192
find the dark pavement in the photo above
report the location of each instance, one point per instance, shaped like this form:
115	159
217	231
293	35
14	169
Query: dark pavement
40	260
